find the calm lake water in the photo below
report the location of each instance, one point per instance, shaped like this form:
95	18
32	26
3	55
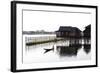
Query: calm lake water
64	50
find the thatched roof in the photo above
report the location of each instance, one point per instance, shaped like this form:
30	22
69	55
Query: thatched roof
68	29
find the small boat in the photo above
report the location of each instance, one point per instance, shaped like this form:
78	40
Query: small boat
49	49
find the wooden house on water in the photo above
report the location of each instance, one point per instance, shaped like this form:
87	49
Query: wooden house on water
87	32
68	32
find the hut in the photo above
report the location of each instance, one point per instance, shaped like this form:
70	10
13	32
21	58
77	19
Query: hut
87	32
68	31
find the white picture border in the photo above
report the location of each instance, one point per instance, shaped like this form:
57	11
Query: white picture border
19	50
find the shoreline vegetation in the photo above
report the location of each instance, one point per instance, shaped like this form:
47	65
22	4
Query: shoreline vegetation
42	42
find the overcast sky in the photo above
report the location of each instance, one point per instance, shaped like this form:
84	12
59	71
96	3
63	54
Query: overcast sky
51	21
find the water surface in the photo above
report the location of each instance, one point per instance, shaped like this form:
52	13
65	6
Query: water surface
64	50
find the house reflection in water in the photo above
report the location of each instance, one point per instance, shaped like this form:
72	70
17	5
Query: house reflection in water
68	50
73	48
87	48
